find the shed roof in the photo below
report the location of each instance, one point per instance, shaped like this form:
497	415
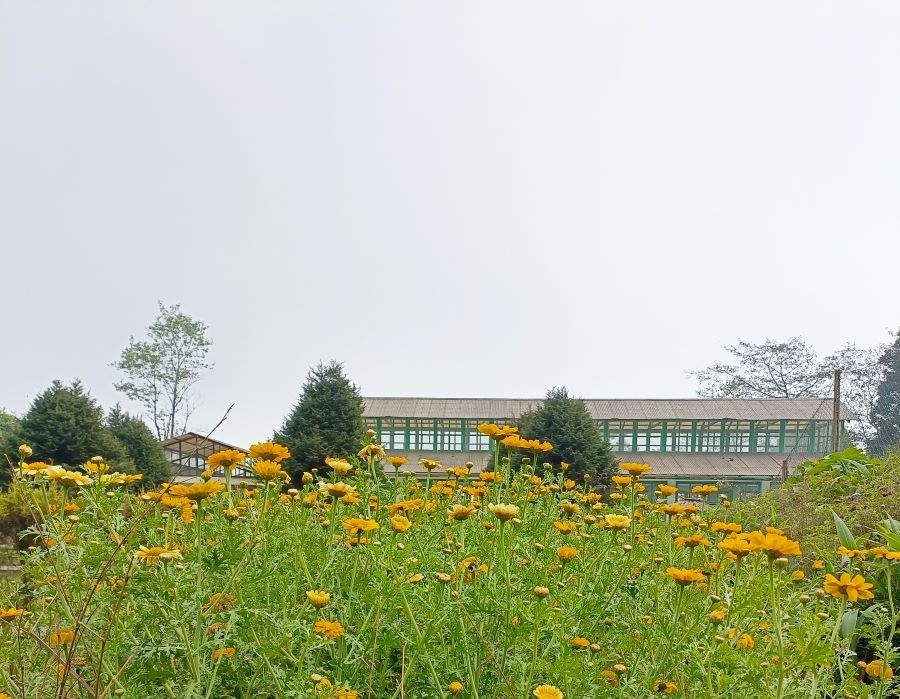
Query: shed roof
193	444
613	408
688	466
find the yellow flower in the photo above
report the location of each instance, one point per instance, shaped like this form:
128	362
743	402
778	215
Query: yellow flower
357	525
877	670
617	522
853	553
416	579
157	554
684	576
429	464
96	467
622	481
25	451
400	524
490	476
460	512
33	469
566	527
665	687
455	687
337	490
397	461
706	489
579	642
667	489
504	512
226	459
11	613
716	616
737	547
372	452
746	642
269	451
488	428
318	598
726	527
775	545
62	637
692	541
849	588
267	470
818	564
197	491
67	479
220	653
329	629
635	469
566	553
547	691
339	466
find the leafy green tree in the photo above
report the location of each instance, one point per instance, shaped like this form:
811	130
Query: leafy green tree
565	421
885	413
326	421
792	369
144	450
161	371
64	425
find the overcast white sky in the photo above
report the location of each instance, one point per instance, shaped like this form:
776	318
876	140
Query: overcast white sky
454	199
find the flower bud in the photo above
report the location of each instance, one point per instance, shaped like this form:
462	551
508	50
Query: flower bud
25	451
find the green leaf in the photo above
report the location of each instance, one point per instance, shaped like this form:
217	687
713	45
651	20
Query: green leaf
848	622
843	531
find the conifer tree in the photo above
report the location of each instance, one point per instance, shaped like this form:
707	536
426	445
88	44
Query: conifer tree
565	421
64	425
144	450
326	421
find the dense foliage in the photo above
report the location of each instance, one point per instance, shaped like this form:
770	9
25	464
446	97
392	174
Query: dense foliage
64	425
886	409
498	584
565	422
143	449
861	490
327	419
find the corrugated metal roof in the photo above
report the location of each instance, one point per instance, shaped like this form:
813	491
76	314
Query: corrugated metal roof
613	409
664	465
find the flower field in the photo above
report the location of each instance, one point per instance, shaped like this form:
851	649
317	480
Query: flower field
499	584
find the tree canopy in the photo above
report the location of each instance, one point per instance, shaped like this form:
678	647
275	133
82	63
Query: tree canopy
64	425
565	421
885	413
326	421
161	371
792	369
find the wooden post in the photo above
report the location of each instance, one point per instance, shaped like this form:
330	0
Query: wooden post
836	413
784	470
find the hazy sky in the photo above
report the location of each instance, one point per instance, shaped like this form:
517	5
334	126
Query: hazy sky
454	199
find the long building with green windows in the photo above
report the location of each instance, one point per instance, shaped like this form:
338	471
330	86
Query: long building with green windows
743	445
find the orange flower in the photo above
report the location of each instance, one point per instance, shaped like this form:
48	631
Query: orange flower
269	451
329	629
226	459
849	588
684	576
775	545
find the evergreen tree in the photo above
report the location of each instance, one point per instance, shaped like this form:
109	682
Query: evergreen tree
326	421
144	450
885	414
10	439
566	423
64	425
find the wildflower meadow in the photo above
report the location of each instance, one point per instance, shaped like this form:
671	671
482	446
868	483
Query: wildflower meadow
363	580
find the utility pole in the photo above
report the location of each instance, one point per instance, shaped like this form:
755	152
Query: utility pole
836	413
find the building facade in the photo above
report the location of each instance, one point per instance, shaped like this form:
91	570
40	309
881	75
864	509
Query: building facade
743	445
